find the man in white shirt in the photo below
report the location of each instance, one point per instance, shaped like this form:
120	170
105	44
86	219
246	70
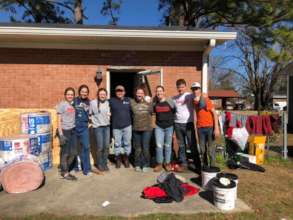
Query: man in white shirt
184	125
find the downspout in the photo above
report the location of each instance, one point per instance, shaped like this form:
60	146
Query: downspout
205	61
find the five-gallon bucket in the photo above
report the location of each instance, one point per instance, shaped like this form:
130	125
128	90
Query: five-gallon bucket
207	174
224	195
230	176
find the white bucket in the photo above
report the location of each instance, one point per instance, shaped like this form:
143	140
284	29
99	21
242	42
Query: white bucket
207	174
230	176
224	197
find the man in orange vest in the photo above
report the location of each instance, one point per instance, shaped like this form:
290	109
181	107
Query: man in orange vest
207	124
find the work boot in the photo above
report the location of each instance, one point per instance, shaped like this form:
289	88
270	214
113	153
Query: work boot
118	161
158	168
126	161
168	167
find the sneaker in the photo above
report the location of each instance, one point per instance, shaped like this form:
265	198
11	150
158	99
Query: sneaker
69	177
179	169
96	171
88	174
137	169
168	167
145	169
72	176
158	168
106	168
101	168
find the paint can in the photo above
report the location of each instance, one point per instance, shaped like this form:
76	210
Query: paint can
207	174
230	176
224	194
35	123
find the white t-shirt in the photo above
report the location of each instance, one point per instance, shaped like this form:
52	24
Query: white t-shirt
184	108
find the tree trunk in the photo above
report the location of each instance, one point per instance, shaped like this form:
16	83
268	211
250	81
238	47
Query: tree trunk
78	12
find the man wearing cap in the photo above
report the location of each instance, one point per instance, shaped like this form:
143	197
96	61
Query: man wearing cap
184	126
121	125
207	124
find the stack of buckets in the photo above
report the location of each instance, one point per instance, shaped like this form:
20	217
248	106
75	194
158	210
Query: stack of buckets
35	139
225	195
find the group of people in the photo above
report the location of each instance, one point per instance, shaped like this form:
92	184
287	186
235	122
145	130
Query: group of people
130	123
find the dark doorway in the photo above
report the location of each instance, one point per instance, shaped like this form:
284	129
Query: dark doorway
127	79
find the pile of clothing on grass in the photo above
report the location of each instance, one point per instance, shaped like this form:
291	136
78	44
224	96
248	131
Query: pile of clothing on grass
169	188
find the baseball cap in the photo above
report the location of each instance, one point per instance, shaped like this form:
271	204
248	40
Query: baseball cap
195	85
119	87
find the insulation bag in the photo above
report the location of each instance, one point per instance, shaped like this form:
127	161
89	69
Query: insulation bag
22	175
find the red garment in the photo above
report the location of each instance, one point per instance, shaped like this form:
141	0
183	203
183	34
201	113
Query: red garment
267	127
153	192
254	124
260	125
229	132
238	124
189	189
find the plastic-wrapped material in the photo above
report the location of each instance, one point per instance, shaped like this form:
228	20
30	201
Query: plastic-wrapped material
24	174
35	123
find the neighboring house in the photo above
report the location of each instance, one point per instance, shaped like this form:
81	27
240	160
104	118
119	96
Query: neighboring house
38	61
225	99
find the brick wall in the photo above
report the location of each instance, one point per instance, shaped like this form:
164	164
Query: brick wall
36	78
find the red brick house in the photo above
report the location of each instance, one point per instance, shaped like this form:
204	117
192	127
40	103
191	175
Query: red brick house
38	61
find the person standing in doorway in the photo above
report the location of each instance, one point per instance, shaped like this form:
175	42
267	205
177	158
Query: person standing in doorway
81	105
207	124
184	125
142	130
100	117
66	133
121	126
164	109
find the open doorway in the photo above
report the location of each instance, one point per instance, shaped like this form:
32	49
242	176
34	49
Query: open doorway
126	79
131	79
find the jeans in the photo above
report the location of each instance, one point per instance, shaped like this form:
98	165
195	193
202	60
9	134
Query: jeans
164	144
68	151
83	138
122	140
206	144
102	135
185	135
141	144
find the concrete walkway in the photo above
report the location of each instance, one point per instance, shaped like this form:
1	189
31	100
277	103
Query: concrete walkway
122	188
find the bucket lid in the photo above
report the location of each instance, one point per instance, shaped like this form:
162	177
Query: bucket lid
230	176
216	182
211	169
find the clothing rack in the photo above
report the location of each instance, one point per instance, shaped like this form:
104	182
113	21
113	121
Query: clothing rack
283	127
